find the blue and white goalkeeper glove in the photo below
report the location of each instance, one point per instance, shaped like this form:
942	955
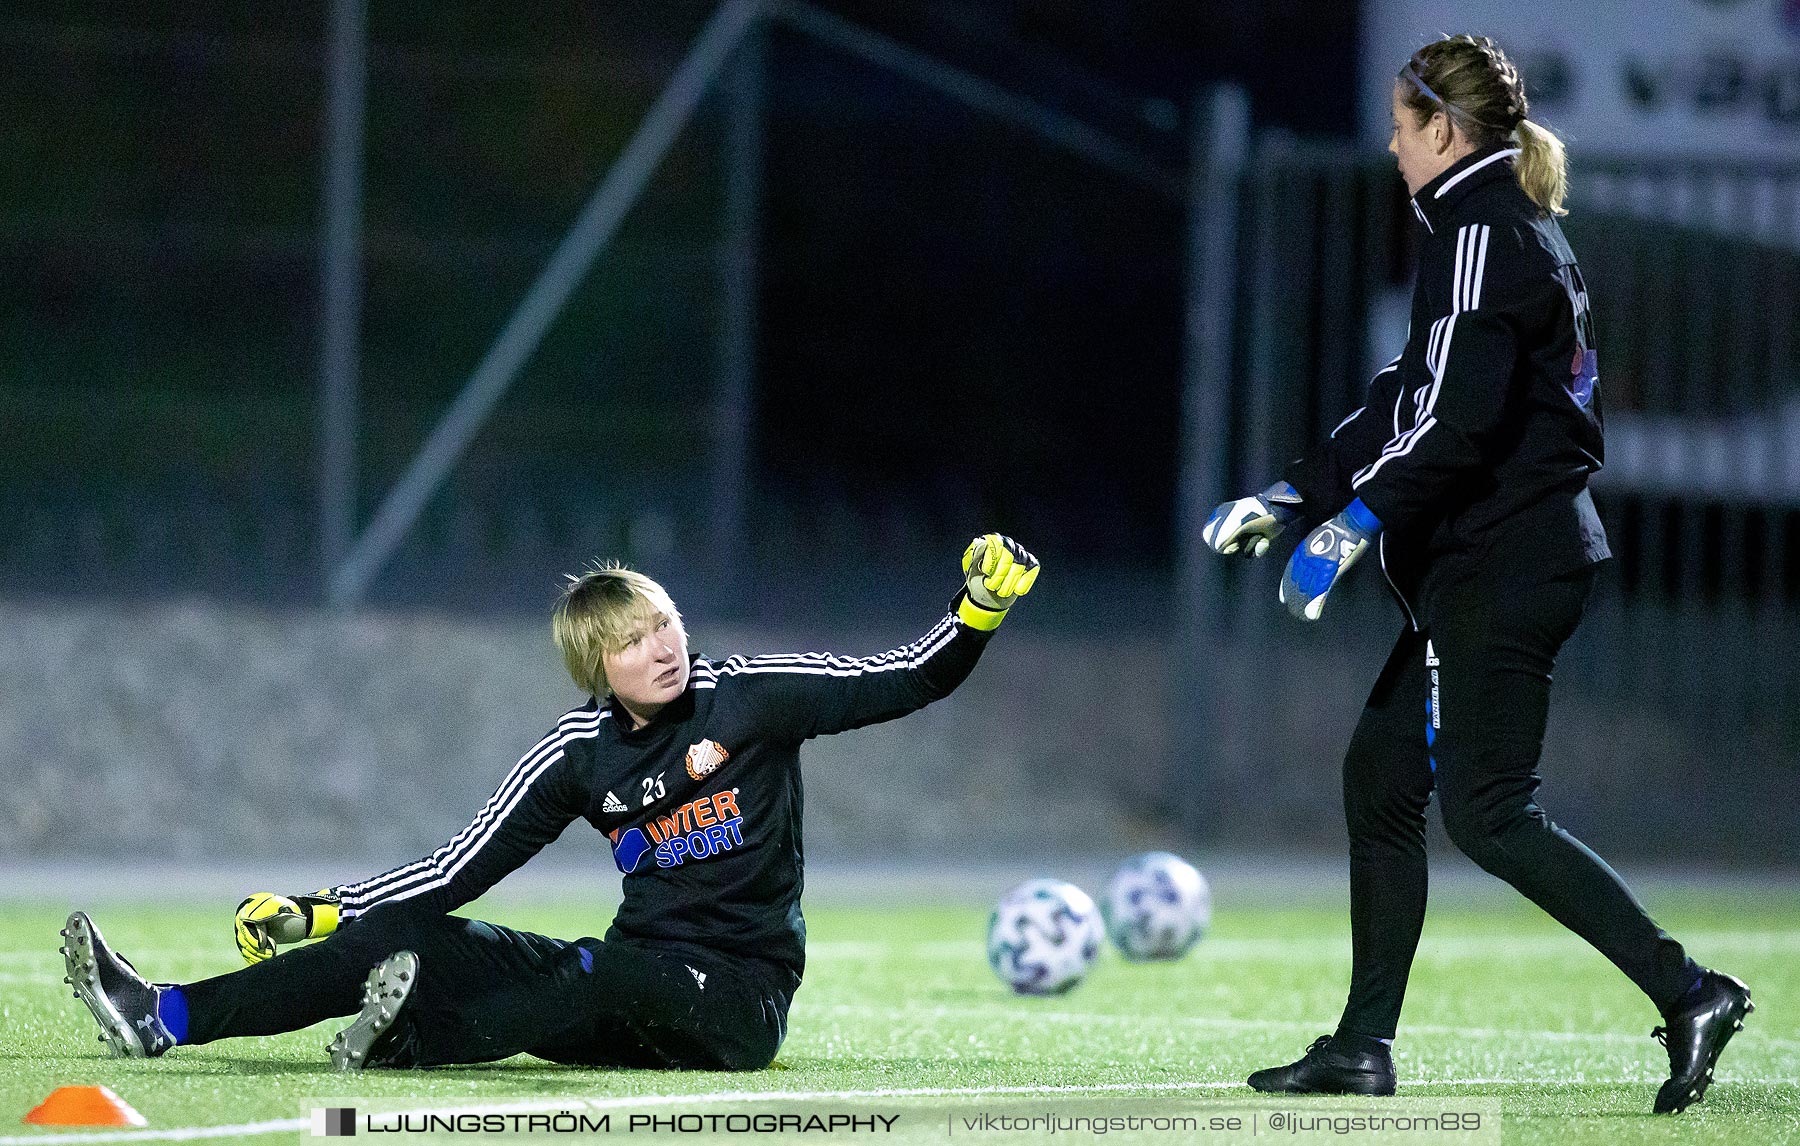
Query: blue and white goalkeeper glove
1247	526
1324	557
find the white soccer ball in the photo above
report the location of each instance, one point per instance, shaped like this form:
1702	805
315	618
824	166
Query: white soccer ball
1157	906
1043	937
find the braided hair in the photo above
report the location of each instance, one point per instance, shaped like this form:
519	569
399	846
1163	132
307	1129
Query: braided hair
1471	80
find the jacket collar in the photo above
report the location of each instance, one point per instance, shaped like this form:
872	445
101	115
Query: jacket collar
673	712
1473	170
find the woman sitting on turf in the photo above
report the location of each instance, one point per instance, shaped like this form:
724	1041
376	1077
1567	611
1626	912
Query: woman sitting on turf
691	768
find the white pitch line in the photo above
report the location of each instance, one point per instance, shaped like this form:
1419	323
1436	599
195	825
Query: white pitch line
174	1134
1767	942
580	1105
1334	949
1446	947
1077	1018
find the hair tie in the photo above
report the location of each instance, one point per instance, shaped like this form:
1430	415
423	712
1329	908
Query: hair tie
1412	73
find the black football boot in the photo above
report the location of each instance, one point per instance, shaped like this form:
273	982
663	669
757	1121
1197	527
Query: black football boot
122	1002
1329	1067
1695	1036
370	1039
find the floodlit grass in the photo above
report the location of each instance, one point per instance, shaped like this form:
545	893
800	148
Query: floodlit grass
1504	1005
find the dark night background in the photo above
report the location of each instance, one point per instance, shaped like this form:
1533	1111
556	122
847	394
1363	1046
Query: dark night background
956	320
960	327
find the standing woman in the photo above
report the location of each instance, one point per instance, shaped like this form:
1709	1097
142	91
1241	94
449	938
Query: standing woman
1467	471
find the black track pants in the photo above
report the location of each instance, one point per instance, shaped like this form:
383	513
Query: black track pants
487	992
1461	707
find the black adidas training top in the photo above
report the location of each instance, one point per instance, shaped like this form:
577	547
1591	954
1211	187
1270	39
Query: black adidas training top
702	805
1475	444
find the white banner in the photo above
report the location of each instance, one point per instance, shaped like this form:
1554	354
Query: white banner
1658	77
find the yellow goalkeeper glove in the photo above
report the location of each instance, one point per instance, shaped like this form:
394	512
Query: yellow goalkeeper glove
997	571
265	919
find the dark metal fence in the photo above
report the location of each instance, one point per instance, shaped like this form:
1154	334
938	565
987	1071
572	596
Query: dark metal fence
1681	691
1695	280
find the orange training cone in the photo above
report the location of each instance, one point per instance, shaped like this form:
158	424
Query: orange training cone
84	1106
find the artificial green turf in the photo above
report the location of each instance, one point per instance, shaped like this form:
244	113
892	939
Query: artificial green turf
1503	1005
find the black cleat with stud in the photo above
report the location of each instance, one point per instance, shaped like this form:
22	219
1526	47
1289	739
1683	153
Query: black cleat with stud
122	1002
359	1045
1330	1068
1696	1035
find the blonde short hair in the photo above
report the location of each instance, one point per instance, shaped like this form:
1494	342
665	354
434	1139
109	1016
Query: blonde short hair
598	613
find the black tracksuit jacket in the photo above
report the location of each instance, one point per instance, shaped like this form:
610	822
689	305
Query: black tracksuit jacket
702	805
1475	445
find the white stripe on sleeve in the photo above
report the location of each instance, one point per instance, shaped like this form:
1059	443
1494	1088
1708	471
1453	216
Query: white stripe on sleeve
452	855
1465	294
